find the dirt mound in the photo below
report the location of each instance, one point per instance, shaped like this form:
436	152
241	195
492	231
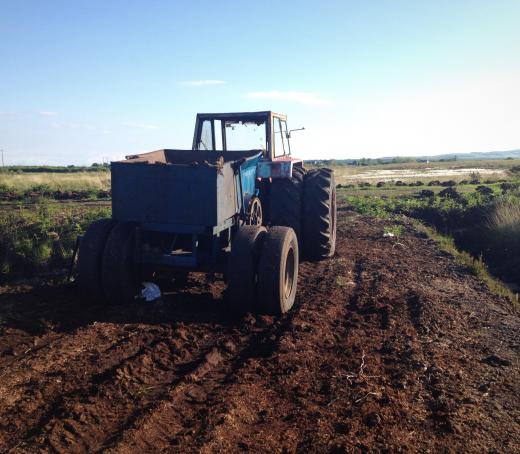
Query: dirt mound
391	346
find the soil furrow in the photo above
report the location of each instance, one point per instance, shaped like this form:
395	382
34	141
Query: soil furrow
391	346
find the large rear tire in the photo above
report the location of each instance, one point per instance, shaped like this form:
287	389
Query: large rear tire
278	271
90	258
243	267
319	214
120	277
286	201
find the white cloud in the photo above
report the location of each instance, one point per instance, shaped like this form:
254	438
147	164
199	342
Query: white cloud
302	97
200	83
10	114
47	113
67	125
140	126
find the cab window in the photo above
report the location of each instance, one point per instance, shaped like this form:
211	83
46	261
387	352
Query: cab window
281	146
206	136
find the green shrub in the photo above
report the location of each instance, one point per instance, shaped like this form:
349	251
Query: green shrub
41	239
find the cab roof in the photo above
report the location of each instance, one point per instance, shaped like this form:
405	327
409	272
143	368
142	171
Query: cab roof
241	115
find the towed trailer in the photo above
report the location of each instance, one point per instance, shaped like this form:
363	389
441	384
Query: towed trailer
249	214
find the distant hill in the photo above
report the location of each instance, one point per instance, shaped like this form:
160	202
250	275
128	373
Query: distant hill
511	154
485	155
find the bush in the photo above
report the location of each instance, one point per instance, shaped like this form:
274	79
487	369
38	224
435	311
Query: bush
449	183
426	194
484	190
40	240
504	225
508	187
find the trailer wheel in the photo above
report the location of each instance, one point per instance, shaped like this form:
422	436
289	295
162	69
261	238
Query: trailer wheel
242	267
319	214
90	258
120	282
278	271
286	201
254	215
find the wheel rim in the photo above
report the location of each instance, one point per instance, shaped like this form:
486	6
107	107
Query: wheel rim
289	274
255	212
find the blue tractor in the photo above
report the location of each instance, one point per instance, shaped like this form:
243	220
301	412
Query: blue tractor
236	205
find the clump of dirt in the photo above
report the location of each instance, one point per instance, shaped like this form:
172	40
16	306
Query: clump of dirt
391	346
450	192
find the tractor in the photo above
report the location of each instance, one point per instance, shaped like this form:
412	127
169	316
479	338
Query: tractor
237	206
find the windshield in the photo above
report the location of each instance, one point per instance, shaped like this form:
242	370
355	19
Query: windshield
245	135
232	134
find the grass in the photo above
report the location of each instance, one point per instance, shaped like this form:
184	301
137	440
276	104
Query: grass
79	181
343	281
394	230
36	187
56	169
476	266
40	240
504	223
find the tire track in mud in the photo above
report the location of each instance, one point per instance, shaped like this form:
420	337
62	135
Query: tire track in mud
83	418
61	350
163	424
229	406
317	393
46	391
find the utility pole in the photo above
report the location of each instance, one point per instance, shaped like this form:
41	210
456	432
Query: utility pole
2	151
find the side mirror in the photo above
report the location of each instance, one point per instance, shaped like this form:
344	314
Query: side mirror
288	135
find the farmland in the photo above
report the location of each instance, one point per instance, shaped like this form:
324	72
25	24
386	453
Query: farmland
34	184
403	341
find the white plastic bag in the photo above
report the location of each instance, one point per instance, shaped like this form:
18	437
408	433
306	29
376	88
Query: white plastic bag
150	292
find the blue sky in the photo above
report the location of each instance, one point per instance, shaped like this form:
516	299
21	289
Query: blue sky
85	80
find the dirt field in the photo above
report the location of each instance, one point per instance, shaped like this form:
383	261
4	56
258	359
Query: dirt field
391	347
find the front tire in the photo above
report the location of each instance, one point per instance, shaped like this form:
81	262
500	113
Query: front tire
278	271
319	214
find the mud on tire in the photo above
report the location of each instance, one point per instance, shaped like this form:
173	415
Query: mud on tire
286	201
319	214
278	271
90	259
243	268
120	277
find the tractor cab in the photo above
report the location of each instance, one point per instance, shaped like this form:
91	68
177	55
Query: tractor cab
263	131
266	131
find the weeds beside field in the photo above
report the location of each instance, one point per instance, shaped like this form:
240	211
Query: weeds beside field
476	265
41	239
483	221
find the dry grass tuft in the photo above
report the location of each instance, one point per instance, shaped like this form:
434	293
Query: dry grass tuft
79	181
504	224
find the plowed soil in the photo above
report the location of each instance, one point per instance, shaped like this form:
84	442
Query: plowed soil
391	346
